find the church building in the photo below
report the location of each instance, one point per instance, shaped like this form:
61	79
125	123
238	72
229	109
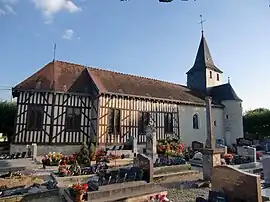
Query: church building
64	104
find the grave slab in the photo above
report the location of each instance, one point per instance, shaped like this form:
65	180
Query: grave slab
236	184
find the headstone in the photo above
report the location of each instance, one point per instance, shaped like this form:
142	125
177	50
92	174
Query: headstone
151	143
247	151
146	163
267	147
220	141
34	151
135	145
196	145
225	148
266	169
237	185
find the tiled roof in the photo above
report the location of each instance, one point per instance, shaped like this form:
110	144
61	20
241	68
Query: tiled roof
223	92
65	76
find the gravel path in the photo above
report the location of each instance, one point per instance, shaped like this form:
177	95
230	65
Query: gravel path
180	189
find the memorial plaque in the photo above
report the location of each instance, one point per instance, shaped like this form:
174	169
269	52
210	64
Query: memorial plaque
215	196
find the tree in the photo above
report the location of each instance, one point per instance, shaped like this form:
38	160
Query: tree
257	122
8	112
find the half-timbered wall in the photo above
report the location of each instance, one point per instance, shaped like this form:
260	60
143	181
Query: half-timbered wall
129	112
53	129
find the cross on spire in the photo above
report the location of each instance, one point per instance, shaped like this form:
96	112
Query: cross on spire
201	22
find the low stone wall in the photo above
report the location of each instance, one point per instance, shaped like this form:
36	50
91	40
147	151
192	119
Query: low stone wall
45	149
31	197
171	169
69	180
121	191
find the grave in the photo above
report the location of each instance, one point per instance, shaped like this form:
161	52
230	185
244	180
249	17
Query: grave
151	143
34	151
197	159
146	164
196	145
247	151
237	185
135	145
266	170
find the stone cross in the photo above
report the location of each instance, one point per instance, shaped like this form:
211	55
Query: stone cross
34	151
135	145
210	140
151	142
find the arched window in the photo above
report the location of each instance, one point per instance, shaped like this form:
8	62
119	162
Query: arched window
195	121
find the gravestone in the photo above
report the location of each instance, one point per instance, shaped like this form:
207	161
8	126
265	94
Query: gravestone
247	151
151	143
225	148
196	145
237	185
267	147
135	145
266	169
146	163
34	151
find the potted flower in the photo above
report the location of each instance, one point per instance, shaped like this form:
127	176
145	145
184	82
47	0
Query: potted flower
228	158
79	190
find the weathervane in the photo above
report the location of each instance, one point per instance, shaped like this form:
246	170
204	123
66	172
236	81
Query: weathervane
201	22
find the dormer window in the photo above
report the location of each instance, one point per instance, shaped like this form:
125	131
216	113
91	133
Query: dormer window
217	77
210	75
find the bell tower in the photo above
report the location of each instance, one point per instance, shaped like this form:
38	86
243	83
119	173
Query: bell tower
204	72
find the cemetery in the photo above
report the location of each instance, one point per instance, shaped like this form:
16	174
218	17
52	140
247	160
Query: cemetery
121	173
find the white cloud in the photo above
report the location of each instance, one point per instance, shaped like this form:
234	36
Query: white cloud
6	7
9	9
51	7
68	34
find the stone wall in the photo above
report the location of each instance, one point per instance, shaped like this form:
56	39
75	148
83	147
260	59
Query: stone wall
45	149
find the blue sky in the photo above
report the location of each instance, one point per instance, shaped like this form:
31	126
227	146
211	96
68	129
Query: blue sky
142	37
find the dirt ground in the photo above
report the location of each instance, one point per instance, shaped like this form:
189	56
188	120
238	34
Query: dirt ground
16	181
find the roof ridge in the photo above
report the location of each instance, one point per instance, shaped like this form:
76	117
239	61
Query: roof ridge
121	73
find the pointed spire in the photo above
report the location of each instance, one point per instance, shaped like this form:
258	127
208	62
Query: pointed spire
203	58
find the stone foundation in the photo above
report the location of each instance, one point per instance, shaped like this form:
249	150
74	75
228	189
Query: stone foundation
45	149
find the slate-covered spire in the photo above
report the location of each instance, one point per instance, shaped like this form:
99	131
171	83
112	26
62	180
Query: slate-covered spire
203	58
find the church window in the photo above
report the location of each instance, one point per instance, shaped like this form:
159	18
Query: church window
195	121
114	125
217	77
73	119
215	123
34	117
227	116
144	120
210	74
168	122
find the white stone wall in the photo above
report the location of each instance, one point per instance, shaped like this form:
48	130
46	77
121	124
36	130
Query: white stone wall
212	81
188	134
45	149
233	122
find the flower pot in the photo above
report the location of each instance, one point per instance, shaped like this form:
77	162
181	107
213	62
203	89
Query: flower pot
79	197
